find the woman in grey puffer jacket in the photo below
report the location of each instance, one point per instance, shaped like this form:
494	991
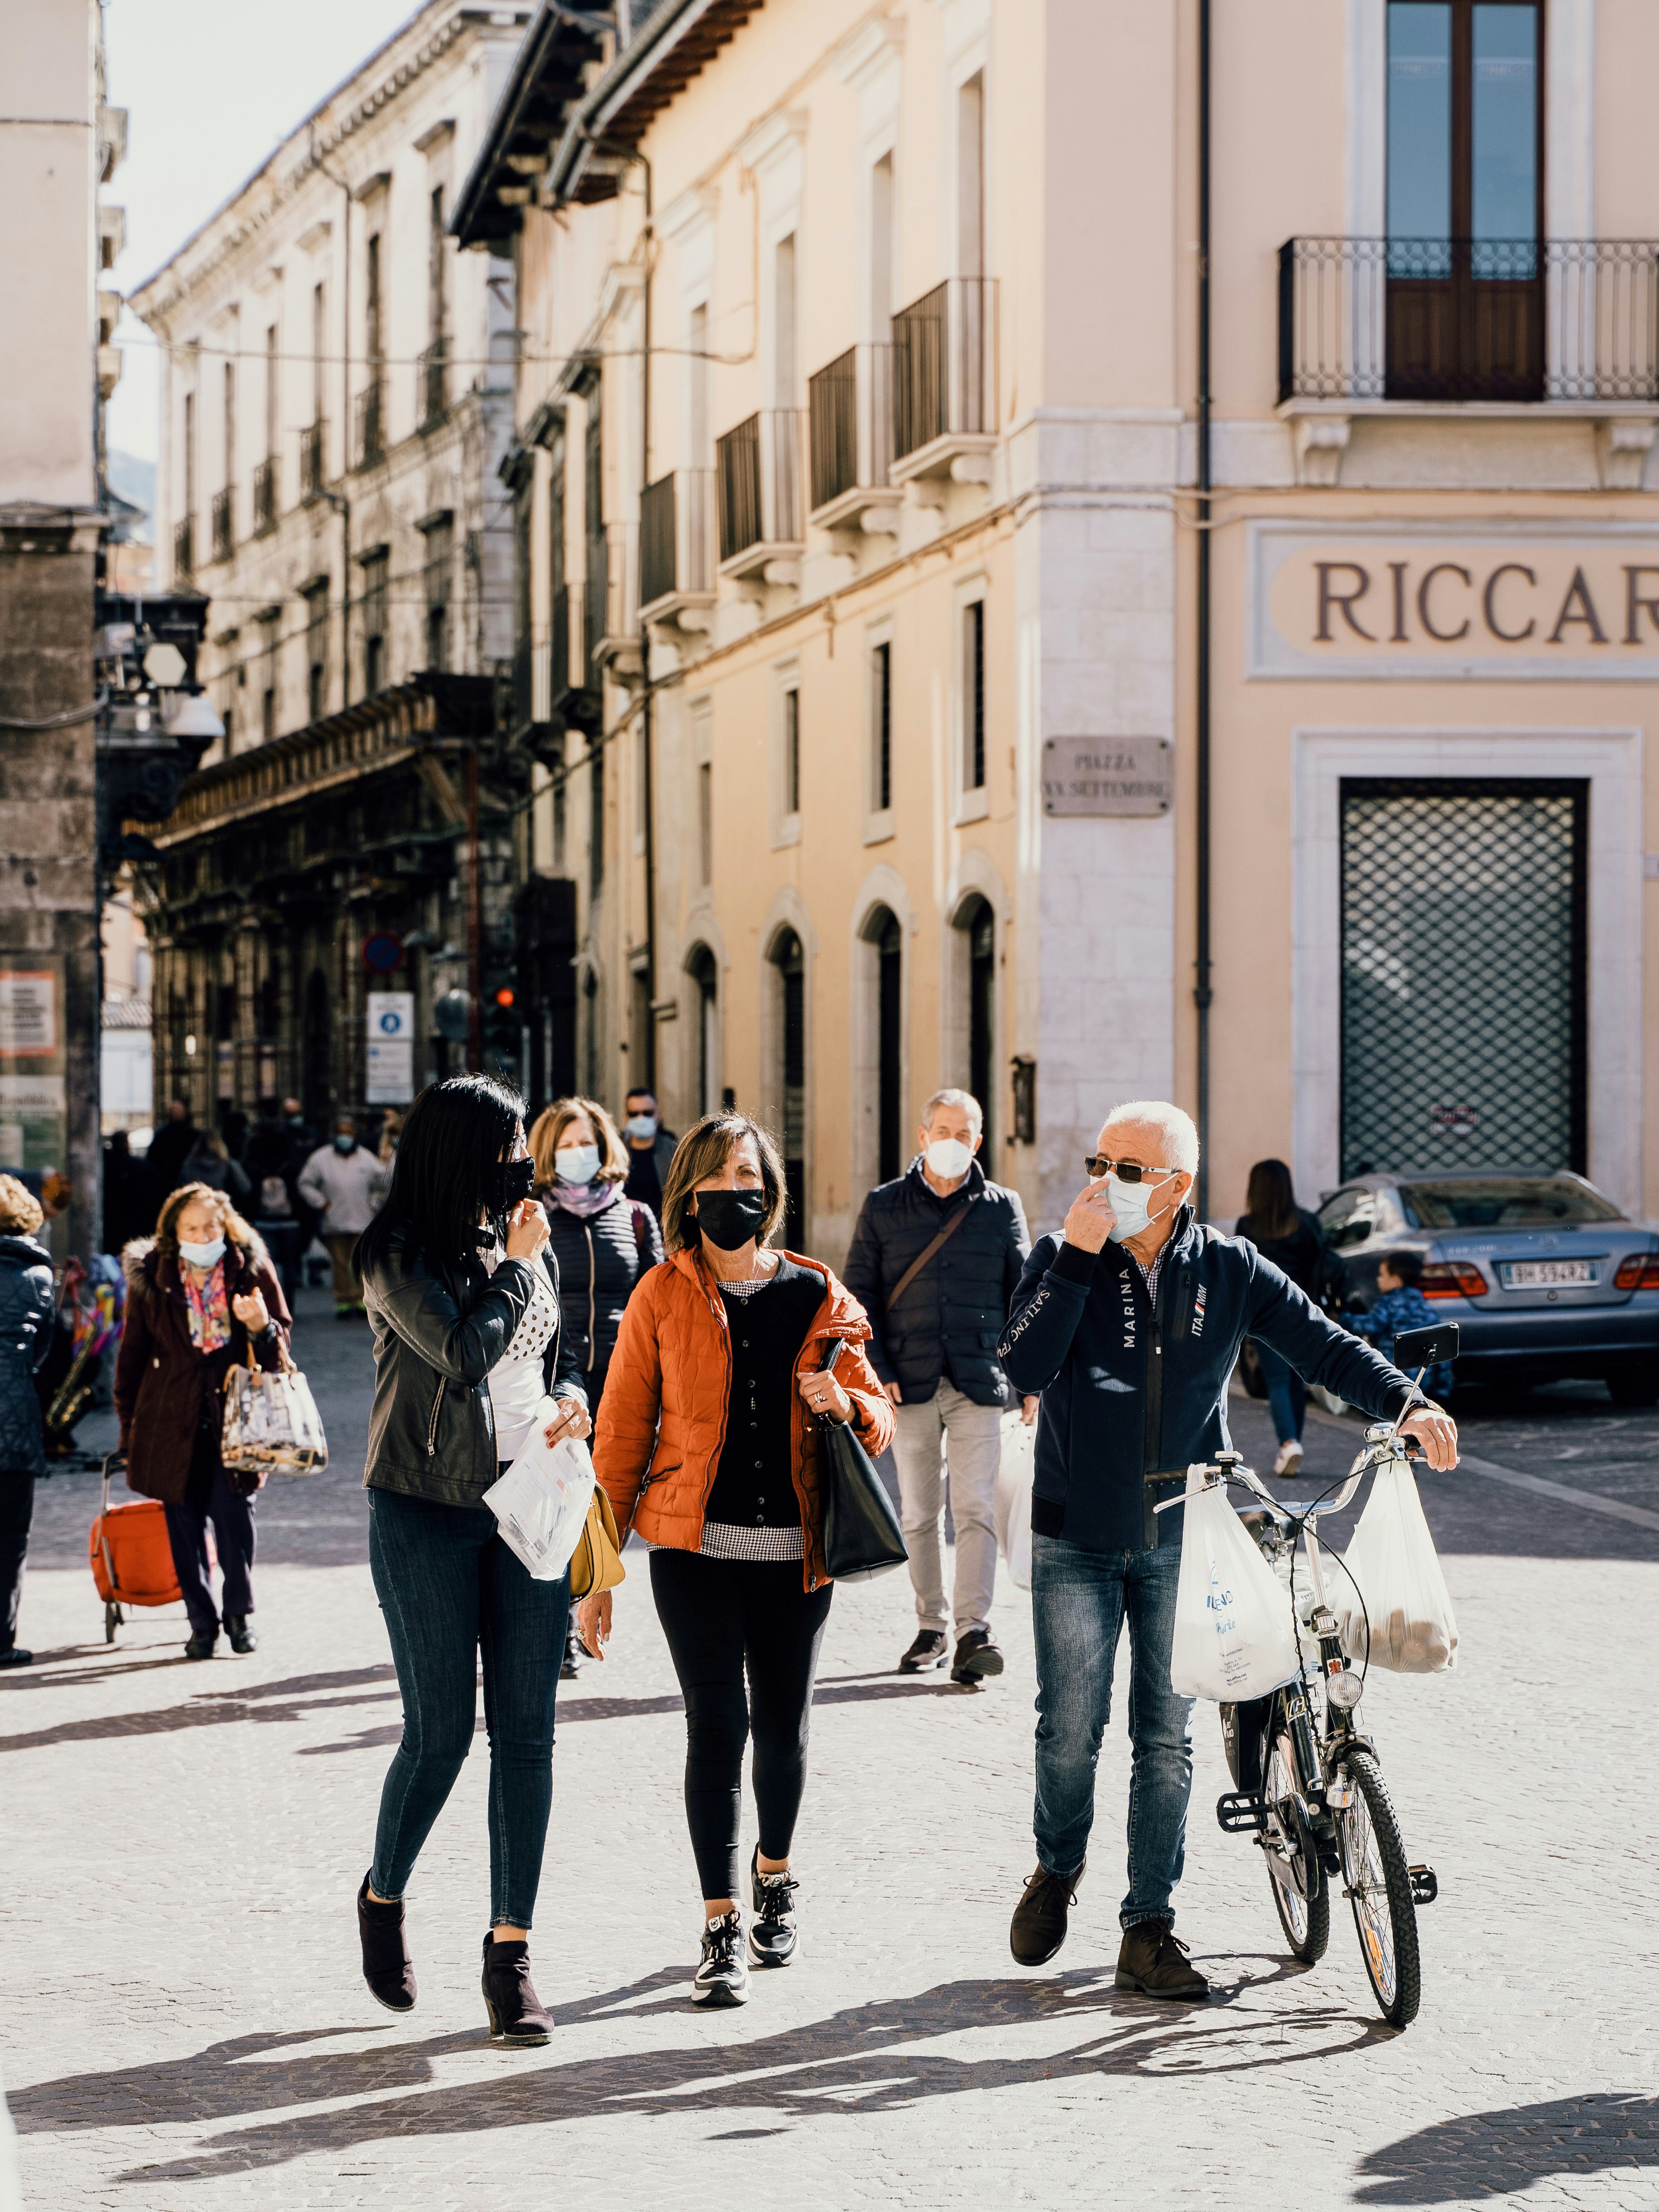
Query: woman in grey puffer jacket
26	1303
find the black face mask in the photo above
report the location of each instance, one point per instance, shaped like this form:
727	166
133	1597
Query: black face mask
511	1182
730	1217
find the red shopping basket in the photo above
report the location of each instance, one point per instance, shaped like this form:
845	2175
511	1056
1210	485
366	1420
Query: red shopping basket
131	1558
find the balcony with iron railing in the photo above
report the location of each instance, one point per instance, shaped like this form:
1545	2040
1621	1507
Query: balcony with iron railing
184	550
1513	321
369	444
313	460
432	384
850	441
677	550
264	498
224	524
944	383
758	475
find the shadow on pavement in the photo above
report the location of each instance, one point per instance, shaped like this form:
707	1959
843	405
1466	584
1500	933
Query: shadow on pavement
1501	2154
861	2058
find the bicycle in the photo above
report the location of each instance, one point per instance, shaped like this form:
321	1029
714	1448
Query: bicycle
1308	1781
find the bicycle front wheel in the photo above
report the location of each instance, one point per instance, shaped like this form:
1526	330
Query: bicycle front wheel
1379	1888
1306	1919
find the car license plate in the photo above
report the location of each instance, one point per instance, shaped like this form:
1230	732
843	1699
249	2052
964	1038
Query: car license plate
1546	1274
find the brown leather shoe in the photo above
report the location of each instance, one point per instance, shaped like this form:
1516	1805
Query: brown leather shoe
1153	1960
1039	1926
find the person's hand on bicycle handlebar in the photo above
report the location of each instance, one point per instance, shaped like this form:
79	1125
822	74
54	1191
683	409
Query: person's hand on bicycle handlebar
1437	1433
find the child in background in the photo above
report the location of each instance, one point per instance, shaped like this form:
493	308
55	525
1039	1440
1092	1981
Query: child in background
1398	1306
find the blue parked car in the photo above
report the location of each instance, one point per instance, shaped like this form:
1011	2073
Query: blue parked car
1543	1274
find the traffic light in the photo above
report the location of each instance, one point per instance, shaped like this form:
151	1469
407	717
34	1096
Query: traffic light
502	1032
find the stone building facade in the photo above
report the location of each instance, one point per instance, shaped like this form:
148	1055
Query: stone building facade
336	403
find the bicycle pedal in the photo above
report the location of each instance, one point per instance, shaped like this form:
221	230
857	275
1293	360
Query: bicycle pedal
1425	1886
1241	1814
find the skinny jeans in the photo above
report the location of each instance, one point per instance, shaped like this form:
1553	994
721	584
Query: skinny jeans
727	1619
450	1589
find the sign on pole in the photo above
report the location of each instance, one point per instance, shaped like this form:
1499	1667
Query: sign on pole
390	1048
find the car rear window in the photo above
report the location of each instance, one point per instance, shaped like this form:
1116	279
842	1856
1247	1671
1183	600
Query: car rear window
1499	1202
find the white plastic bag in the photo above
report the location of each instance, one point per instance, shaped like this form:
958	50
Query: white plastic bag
1233	1636
542	1501
1391	1555
1011	1508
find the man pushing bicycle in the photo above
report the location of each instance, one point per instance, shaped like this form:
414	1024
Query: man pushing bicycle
1128	1325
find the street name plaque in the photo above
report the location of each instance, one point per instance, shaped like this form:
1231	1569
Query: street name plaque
1107	775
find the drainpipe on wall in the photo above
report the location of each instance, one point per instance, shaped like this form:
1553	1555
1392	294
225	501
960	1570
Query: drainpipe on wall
338	500
1202	993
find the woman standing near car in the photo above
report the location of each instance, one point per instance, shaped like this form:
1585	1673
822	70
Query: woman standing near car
199	1293
1292	1239
601	1243
465	1308
709	1448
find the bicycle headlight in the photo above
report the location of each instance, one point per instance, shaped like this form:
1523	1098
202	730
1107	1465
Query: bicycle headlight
1343	1690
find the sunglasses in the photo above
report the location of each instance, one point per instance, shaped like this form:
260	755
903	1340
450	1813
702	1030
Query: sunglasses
1125	1171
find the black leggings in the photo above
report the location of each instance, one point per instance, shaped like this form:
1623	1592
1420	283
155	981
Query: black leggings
719	1615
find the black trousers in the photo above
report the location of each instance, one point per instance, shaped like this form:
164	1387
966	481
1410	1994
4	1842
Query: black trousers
16	1511
725	1619
208	1496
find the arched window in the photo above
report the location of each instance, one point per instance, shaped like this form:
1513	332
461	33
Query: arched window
704	974
791	967
978	925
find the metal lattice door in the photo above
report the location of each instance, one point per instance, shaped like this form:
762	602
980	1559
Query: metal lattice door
1463	975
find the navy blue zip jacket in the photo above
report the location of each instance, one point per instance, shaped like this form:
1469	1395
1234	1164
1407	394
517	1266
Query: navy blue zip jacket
1128	1395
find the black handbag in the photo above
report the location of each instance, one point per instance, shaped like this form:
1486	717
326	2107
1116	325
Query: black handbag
862	1538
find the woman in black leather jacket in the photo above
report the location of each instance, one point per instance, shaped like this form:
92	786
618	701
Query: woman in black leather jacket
464	1306
26	1304
602	1241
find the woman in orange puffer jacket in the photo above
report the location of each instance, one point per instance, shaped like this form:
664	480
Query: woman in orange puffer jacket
708	1447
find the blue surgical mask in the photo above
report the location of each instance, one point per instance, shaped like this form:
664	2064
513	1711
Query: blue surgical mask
202	1255
1131	1203
577	1163
641	1126
344	1143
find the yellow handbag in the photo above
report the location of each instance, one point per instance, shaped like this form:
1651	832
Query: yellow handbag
596	1563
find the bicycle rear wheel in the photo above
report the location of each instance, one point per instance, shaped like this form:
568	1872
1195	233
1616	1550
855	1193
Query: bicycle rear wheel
1306	1920
1379	1888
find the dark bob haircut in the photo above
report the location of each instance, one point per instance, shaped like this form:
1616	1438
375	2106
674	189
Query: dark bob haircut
444	1184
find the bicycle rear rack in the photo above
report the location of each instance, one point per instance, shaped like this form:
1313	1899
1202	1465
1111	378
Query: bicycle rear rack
1241	1814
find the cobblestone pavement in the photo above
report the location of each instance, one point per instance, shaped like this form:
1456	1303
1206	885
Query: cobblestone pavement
183	2025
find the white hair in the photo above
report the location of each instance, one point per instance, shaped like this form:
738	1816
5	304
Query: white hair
964	1100
1180	1133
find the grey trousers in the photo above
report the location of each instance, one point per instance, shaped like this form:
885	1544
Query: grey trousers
972	1437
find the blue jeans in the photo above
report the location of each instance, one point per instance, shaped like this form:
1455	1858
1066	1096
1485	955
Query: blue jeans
449	1588
1287	1394
1078	1601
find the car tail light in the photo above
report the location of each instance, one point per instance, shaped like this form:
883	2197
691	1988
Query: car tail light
1453	1279
1639	1272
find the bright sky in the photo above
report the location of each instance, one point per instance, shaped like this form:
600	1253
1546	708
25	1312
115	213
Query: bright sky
211	86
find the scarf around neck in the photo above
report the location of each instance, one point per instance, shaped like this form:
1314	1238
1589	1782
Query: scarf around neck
583	1200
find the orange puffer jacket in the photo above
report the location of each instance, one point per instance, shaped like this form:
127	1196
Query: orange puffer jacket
662	1419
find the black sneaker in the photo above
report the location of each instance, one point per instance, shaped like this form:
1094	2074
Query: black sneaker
772	1933
976	1657
930	1649
16	1656
242	1637
201	1641
722	1976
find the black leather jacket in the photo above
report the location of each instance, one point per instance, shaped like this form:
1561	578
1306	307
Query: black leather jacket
437	1332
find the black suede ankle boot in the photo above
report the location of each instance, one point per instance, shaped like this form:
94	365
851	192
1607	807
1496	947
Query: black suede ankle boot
387	1966
517	2015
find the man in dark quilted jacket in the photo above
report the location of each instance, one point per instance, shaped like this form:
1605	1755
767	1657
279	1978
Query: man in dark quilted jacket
934	1260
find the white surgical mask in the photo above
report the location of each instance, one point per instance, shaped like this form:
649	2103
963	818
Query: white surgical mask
1132	1204
202	1255
949	1158
577	1162
641	1126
